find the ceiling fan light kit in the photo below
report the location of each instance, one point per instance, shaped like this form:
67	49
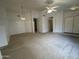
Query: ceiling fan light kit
49	11
49	7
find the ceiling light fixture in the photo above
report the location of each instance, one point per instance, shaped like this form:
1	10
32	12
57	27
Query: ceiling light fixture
51	9
74	8
23	18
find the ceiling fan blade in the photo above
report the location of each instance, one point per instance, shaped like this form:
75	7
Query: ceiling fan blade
50	7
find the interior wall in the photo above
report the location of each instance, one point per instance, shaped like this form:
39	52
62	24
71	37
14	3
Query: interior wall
40	22
43	23
0	55
3	36
36	14
28	26
17	26
71	23
3	26
57	21
63	21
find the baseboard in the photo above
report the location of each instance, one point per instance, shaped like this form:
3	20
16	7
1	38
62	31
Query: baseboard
72	33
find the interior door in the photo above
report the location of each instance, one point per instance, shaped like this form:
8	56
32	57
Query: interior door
50	25
35	24
76	24
68	25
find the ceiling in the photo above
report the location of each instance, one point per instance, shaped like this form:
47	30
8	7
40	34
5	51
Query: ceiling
38	4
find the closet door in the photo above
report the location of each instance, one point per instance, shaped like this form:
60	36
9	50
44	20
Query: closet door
76	24
68	27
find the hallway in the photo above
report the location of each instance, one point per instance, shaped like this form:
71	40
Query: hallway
42	46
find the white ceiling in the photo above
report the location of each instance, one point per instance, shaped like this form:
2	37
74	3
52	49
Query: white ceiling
38	4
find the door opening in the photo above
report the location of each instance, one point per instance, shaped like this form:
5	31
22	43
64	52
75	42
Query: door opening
50	24
35	24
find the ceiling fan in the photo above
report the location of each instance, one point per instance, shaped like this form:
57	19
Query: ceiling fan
49	6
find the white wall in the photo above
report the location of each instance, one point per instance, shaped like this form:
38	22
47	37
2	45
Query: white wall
76	24
71	21
57	21
35	14
43	23
0	55
4	24
17	26
40	24
63	21
3	36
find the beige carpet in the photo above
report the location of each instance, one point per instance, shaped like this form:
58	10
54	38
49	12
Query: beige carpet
42	46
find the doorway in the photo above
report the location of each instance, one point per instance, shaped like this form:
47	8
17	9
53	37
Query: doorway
35	24
50	24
